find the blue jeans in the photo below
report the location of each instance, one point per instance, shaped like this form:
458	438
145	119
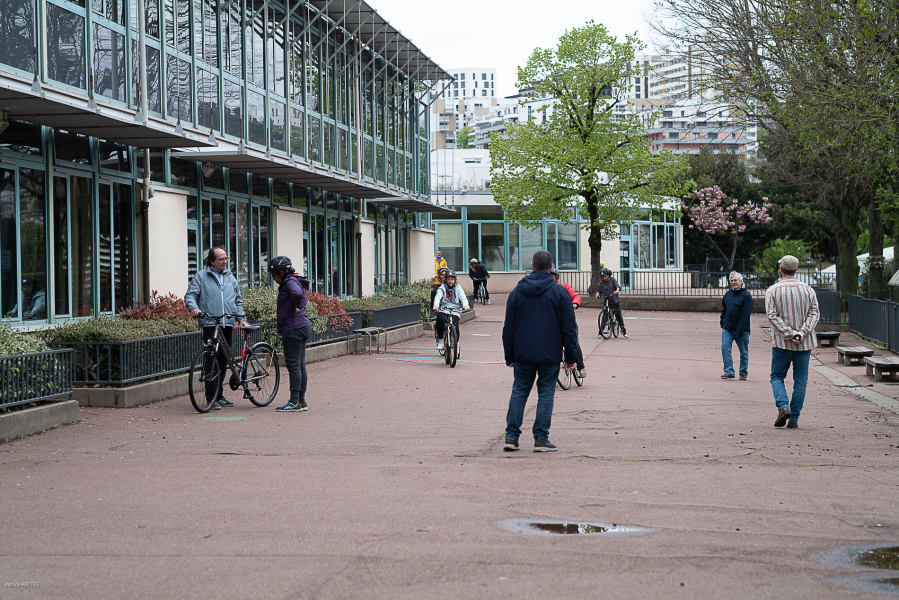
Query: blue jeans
727	340
525	373
780	364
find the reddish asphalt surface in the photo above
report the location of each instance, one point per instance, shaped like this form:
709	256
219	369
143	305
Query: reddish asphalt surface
394	482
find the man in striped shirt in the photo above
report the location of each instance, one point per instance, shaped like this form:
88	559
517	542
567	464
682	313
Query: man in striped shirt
792	308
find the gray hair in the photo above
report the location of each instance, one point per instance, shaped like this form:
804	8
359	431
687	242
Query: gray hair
735	274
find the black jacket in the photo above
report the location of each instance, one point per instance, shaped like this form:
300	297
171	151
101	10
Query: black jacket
480	272
539	321
736	308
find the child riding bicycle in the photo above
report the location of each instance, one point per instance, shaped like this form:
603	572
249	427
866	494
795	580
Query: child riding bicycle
479	276
608	288
450	301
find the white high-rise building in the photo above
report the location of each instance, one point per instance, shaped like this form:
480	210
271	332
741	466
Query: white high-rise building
472	89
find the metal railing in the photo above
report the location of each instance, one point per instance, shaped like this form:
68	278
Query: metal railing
832	306
119	363
36	377
394	316
867	318
325	328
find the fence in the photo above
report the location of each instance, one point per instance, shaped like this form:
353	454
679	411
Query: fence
34	377
670	283
325	328
876	320
118	363
395	316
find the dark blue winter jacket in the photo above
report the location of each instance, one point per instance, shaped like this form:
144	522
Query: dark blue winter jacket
736	308
539	321
292	296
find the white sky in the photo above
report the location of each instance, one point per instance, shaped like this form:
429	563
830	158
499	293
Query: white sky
502	33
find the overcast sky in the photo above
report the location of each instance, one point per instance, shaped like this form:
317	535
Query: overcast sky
503	33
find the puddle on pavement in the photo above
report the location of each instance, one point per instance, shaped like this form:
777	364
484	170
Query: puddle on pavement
879	558
588	528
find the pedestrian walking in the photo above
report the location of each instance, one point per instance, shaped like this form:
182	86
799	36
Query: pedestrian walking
792	308
736	309
539	324
214	291
294	327
439	261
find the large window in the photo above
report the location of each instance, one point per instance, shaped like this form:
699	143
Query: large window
656	246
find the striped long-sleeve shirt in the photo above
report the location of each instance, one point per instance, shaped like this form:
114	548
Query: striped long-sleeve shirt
792	308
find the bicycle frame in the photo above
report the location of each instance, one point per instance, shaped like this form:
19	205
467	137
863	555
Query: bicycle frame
219	340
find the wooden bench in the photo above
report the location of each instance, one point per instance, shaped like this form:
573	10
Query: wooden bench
828	338
880	365
852	355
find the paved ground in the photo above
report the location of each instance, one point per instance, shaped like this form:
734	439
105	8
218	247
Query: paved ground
392	484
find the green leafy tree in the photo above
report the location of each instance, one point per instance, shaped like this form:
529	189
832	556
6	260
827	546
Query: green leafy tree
463	139
578	153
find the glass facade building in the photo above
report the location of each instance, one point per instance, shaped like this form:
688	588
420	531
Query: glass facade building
321	114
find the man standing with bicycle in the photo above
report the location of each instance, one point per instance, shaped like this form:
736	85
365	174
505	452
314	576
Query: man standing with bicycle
539	324
608	288
479	276
214	291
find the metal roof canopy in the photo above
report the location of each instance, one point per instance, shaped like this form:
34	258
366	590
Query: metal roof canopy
290	170
410	203
53	110
376	33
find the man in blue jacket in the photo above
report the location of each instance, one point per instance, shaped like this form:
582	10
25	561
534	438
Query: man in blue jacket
214	291
736	308
539	323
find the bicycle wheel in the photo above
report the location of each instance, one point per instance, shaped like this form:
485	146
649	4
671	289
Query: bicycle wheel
604	329
564	377
260	372
204	368
577	378
615	327
446	345
452	351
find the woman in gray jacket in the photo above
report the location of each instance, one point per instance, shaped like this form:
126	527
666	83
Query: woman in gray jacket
214	291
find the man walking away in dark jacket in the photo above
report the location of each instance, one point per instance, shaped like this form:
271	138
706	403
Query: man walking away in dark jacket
736	308
539	323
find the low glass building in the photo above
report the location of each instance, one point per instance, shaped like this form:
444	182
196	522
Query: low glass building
270	127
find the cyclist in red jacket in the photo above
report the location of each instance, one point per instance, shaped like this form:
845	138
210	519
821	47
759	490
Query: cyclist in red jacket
576	303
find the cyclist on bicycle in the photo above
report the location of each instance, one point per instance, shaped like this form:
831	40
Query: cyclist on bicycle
608	289
451	299
479	276
437	282
576	304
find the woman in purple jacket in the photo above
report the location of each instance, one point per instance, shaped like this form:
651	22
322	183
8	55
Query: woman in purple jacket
294	327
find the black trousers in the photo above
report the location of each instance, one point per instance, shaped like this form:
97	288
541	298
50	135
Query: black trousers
294	341
440	325
221	360
478	283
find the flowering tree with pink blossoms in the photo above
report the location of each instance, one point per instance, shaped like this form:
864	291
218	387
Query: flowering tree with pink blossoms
722	218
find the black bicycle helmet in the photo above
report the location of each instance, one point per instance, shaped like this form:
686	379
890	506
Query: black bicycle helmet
604	271
280	264
555	273
450	273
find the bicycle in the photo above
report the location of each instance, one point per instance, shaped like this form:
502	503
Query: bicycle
450	340
608	325
256	373
481	295
565	377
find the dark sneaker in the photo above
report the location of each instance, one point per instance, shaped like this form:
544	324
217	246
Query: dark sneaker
728	376
743	376
226	403
289	407
782	416
510	445
544	445
214	406
792	424
303	405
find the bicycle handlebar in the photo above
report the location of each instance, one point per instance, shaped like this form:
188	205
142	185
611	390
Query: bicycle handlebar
203	315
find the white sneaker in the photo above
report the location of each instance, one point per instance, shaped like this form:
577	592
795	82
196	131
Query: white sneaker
440	345
488	300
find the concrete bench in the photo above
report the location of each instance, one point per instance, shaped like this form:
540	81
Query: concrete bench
372	334
828	338
880	365
852	355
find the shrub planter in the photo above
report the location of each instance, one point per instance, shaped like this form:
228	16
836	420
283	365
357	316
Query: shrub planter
39	377
394	316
